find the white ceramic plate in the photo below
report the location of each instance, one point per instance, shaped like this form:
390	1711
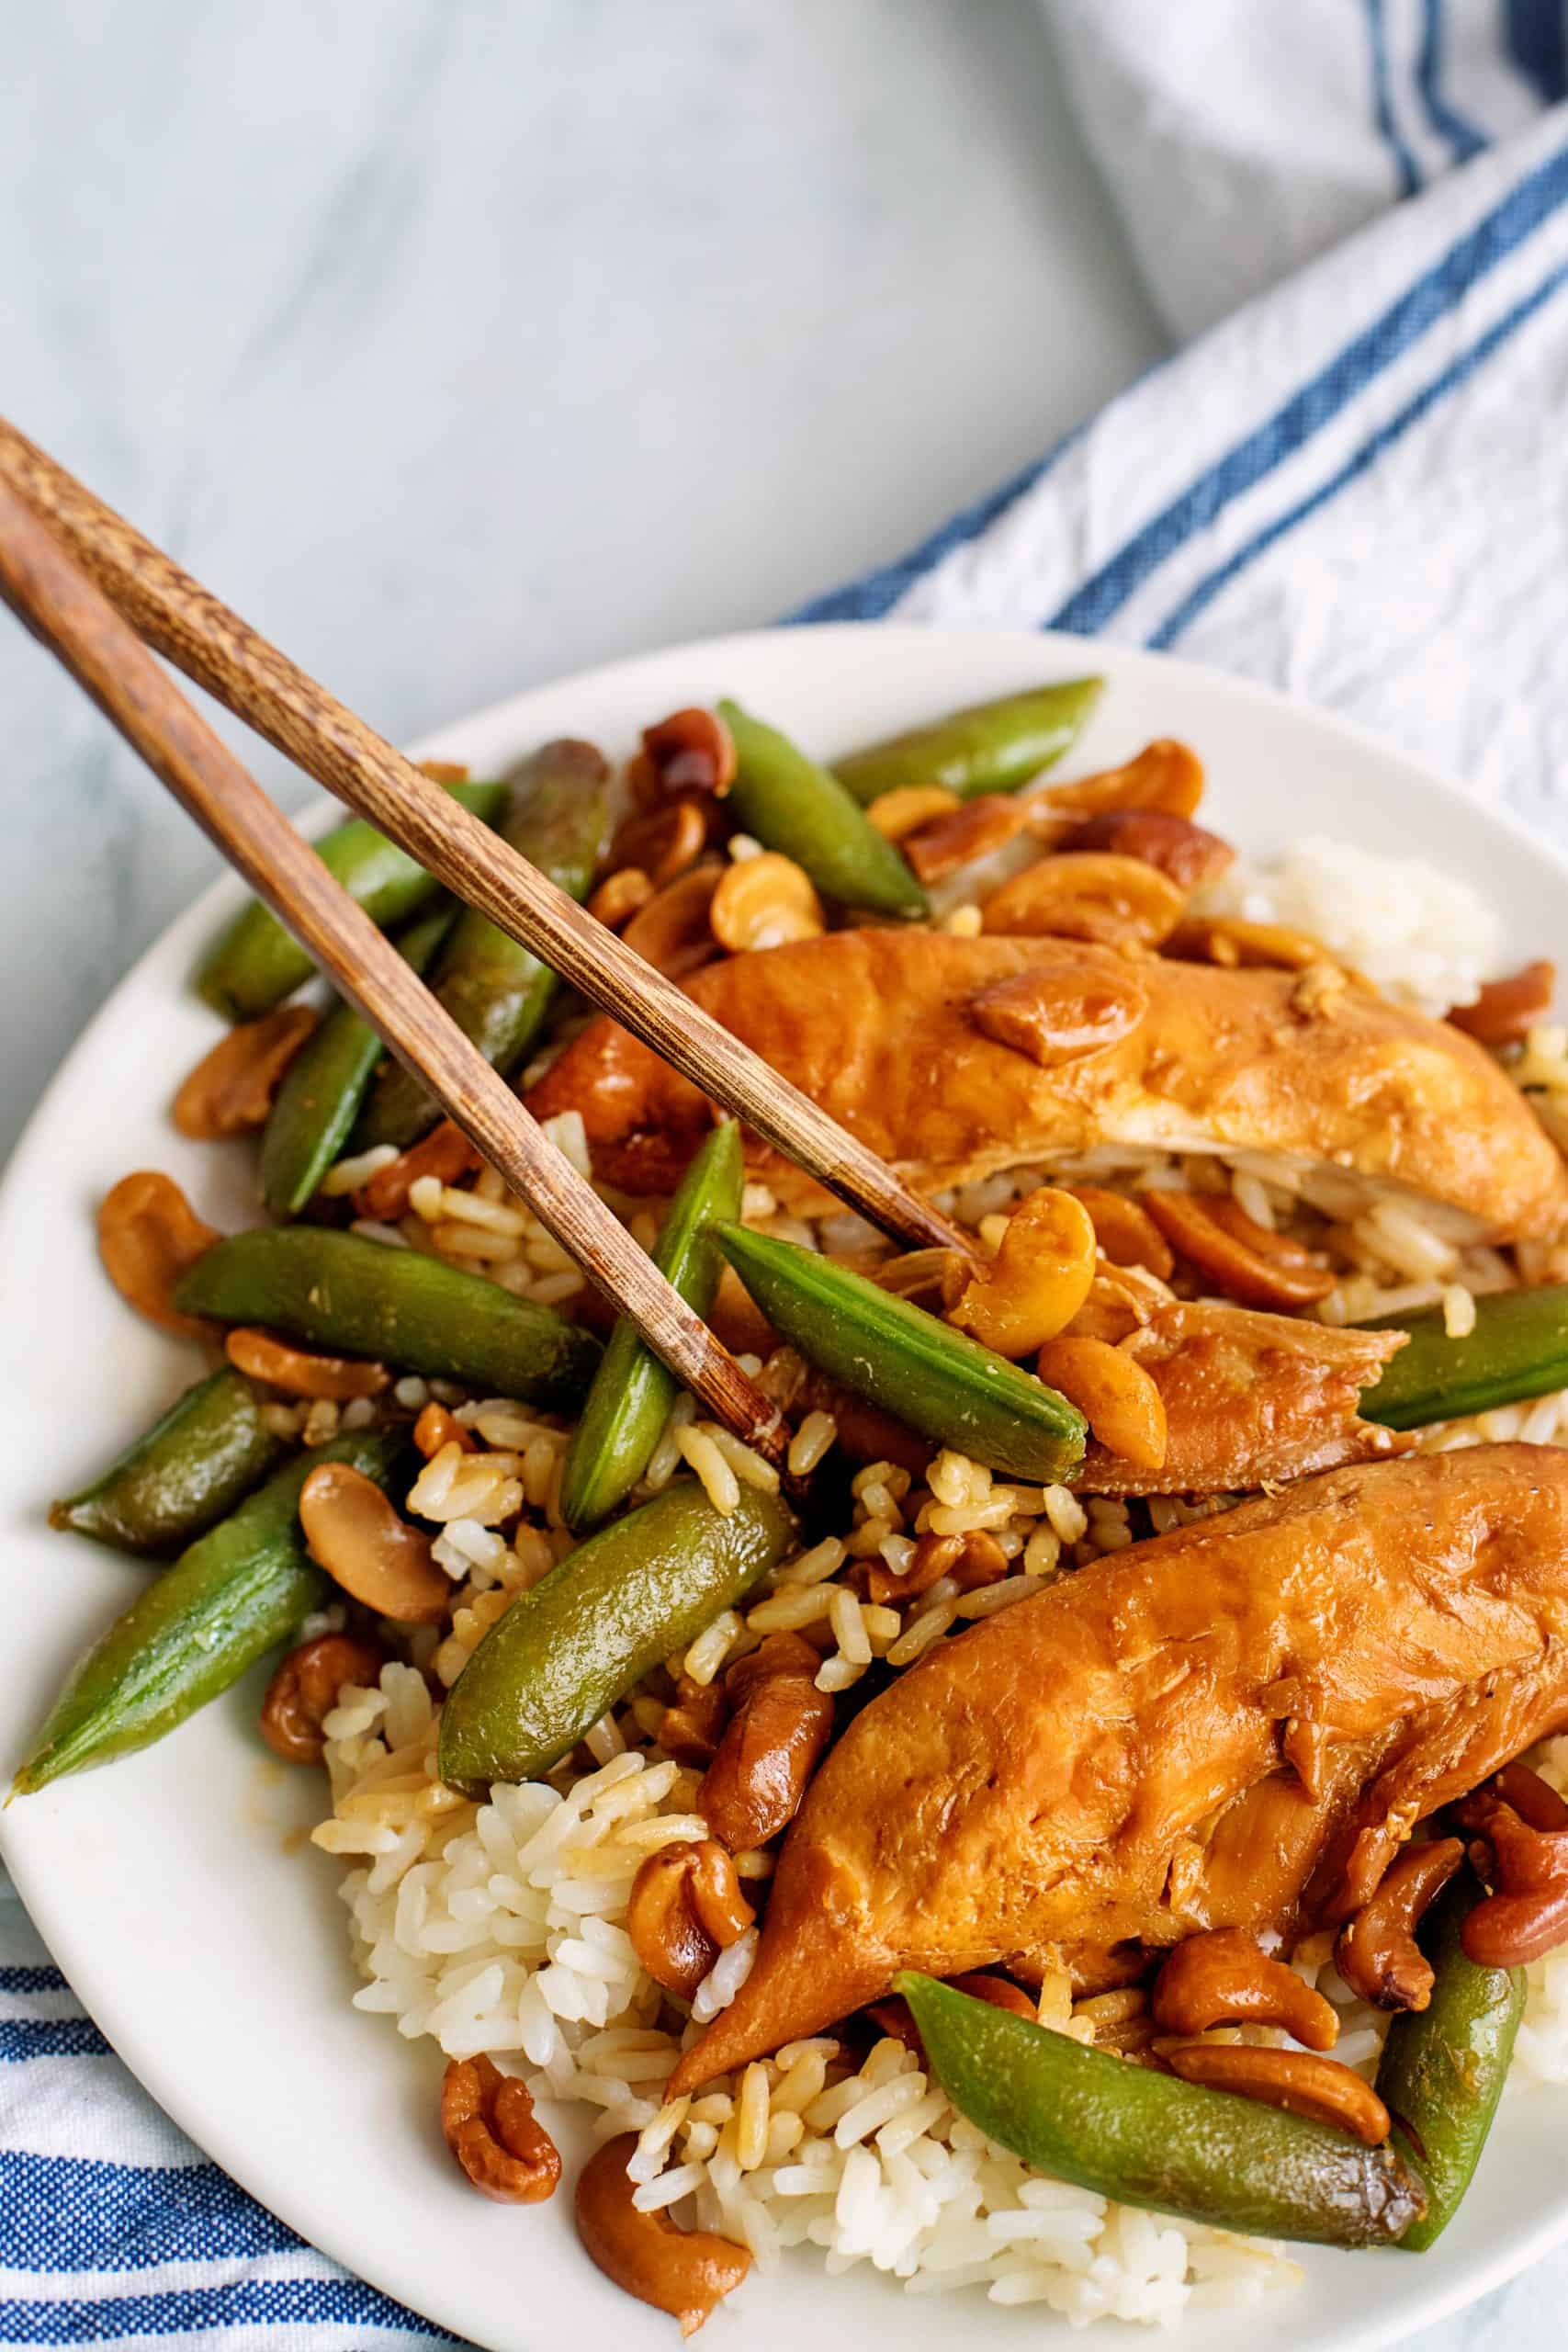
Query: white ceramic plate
172	1889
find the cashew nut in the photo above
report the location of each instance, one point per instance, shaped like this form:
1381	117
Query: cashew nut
1242	1258
620	896
354	1533
304	1691
1118	1398
771	1746
1037	1282
663	842
149	1239
1376	1952
445	1153
1165	775
1222	1977
490	2125
672	931
1526	1826
1179	848
907	805
1126	1231
685	2272
231	1089
685	1907
977	828
1087	894
1320	2088
692	750
1053	1014
298	1373
436	1428
765	902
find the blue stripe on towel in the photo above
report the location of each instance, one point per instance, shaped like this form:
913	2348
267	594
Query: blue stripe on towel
1366	456
245	2303
66	2213
23	2038
1461	135
1536	32
1321	399
1404	165
31	1980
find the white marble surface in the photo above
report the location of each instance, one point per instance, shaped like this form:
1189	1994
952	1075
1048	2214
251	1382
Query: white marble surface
461	344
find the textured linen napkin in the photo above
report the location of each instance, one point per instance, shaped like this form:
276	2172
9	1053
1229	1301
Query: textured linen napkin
1356	488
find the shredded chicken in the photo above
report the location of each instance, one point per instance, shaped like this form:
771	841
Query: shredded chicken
1234	1725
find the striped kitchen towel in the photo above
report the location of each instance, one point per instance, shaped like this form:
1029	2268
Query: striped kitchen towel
1354	488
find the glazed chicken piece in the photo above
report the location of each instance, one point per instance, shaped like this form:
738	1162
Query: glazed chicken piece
1251	1400
957	1058
1237	1724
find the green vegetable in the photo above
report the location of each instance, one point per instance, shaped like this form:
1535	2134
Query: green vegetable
934	1378
1518	1348
791	804
338	1291
989	747
1146	2139
194	1630
644	1586
324	1085
1443	2067
496	991
632	1393
256	963
177	1479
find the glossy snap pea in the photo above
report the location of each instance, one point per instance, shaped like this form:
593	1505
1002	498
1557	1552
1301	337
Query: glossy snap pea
1518	1348
934	1378
237	1590
989	747
632	1393
324	1085
788	803
366	1299
183	1474
1152	2140
641	1589
496	991
1443	2067
254	964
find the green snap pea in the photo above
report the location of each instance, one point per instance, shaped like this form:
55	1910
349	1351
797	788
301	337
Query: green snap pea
633	1391
643	1587
788	803
1518	1348
989	747
324	1085
1443	2067
340	1291
254	964
937	1380
238	1590
496	991
1152	2140
183	1474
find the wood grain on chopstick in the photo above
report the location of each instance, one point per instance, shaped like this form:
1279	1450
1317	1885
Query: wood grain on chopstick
261	685
47	589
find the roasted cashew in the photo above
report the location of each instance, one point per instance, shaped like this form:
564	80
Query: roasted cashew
1319	2088
1222	1977
1244	1259
771	1746
685	1907
490	2125
1376	1952
354	1533
685	2272
304	1691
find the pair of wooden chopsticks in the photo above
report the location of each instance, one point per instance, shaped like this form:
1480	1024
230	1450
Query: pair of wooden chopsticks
92	589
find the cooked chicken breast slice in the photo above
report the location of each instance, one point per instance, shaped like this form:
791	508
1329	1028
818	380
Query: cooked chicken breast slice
954	1059
1236	1725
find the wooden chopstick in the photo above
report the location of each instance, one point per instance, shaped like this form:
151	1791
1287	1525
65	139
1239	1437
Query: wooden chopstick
51	593
212	645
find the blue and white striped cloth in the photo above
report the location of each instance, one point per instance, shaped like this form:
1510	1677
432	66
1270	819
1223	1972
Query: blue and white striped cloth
1356	488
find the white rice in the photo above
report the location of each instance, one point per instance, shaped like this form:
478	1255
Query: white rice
1424	936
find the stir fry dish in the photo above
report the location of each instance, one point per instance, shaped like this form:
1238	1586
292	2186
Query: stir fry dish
1096	1813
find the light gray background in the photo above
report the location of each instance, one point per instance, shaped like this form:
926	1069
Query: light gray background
462	343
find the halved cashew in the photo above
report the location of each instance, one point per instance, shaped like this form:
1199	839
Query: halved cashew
1179	848
662	841
297	1372
685	1907
771	1746
1120	1400
1126	1233
1054	1015
1165	776
149	1239
353	1531
304	1691
672	931
1320	2088
972	1561
1122	1300
444	1153
1037	1282
231	1089
694	1725
1508	1010
692	750
620	896
1087	894
1242	1258
974	829
1224	1978
685	2272
1376	1951
898	812
1525	1823
487	2121
1231	941
766	901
